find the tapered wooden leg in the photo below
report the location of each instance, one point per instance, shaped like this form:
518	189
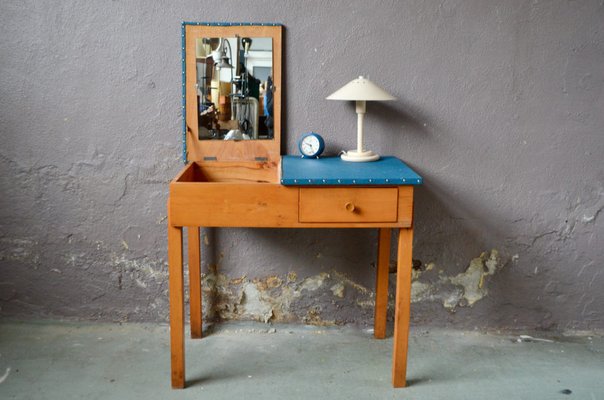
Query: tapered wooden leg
381	284
402	307
177	307
195	282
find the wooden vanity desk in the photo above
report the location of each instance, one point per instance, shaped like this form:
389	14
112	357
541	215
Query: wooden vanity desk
247	183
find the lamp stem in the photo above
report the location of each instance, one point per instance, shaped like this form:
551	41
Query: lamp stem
360	108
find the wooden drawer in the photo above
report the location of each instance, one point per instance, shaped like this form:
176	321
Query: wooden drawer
348	205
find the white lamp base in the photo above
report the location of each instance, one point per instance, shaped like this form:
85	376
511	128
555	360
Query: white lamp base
356	156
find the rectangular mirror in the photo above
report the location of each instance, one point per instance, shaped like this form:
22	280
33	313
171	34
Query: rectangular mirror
234	88
232	91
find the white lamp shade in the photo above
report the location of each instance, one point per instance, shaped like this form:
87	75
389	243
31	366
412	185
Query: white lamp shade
361	89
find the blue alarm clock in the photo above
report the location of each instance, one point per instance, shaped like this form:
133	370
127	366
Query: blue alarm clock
311	145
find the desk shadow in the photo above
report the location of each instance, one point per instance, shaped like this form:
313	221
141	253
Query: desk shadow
213	377
211	328
418	381
233	366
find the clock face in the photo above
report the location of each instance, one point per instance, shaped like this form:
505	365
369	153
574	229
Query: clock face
311	145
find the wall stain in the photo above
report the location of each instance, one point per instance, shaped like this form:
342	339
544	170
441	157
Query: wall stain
286	299
280	299
460	290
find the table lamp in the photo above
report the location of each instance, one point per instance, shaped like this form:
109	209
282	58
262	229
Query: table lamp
360	90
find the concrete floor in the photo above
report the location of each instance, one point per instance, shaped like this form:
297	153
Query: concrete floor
59	360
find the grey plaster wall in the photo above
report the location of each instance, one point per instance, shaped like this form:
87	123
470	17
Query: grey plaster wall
500	108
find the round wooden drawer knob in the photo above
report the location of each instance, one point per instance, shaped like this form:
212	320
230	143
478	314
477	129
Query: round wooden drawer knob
349	206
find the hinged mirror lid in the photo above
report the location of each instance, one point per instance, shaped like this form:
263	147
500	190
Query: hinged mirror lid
232	85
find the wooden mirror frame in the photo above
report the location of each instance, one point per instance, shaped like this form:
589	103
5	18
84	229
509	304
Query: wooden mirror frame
227	150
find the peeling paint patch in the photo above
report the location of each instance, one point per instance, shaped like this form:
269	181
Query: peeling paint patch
472	281
273	282
292	277
345	280
338	290
421	291
463	289
319	298
313	316
314	282
254	305
283	299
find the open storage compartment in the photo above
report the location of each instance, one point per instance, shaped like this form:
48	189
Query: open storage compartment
231	194
229	171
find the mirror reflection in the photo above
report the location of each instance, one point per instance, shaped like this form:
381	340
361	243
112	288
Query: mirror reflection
235	88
